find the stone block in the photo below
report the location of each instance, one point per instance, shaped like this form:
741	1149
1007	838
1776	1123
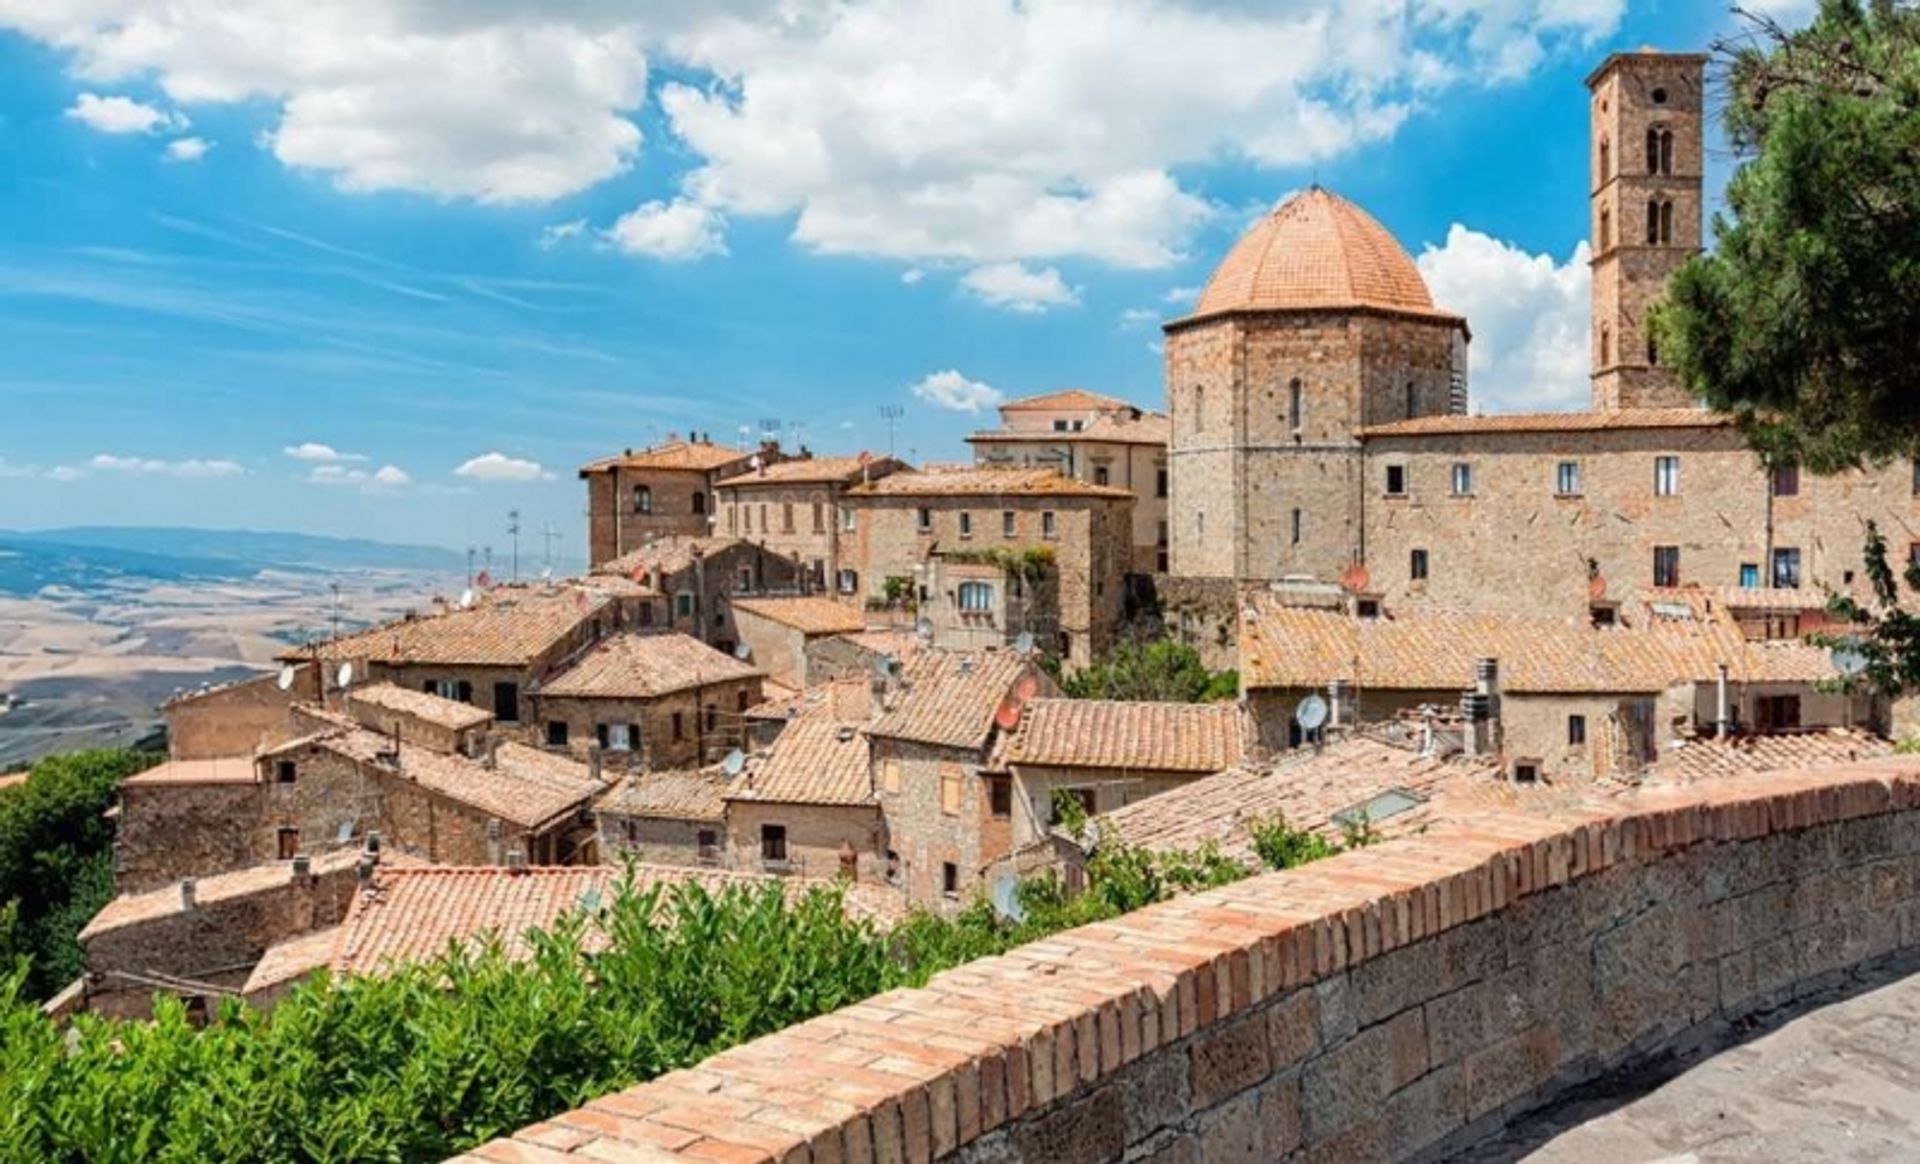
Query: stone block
1334	1006
1280	1114
1231	1133
1736	981
1869	838
1089	1130
1345	1086
1775	965
1509	1069
1229	1059
1170	1149
1366	1141
1426	1111
1742	868
1809	852
1385	986
1293	1029
1552	918
1457	1023
1154	1093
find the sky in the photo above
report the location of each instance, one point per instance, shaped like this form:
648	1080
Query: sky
397	268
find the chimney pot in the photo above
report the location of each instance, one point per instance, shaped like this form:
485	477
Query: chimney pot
516	860
302	864
373	844
187	887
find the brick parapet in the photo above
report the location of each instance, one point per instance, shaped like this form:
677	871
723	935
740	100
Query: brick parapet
1393	1002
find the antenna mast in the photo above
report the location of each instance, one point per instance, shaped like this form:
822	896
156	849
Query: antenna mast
891	413
513	531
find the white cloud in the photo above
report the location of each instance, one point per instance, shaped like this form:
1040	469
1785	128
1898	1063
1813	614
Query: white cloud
912	275
1529	316
188	149
384	479
10	470
1789	13
952	391
319	454
1134	316
191	469
497	466
1183	296
1018	287
121	114
559	232
675	231
391	475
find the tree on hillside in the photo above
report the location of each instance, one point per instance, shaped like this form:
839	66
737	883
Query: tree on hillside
1160	670
1805	320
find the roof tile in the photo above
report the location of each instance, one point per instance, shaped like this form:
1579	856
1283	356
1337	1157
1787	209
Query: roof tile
979	482
645	666
1140	736
949	698
812	614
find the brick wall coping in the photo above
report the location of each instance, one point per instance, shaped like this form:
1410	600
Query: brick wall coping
915	1074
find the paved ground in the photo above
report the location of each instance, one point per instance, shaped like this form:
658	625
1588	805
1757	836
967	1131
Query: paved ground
1841	1082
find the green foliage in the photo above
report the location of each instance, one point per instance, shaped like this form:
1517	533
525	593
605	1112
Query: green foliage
56	863
1281	846
1069	813
898	592
1886	635
1805	320
1160	670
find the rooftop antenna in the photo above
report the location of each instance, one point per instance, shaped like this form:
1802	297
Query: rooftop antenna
333	610
470	555
513	531
549	537
891	413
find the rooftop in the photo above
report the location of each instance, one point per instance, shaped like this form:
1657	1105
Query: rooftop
669	795
817	759
645	666
134	908
291	959
1625	418
666	555
812	614
1148	428
1133	736
683	456
1066	400
815	471
987	482
218	770
1317	251
950	698
507	627
447	713
1708	758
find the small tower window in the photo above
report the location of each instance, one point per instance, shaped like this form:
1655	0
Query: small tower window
1296	527
1666	151
1296	407
1666	222
1653	151
1659	96
1606	228
1606	345
1606	159
1653	221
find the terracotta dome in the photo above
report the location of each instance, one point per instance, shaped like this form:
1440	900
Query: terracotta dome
1317	251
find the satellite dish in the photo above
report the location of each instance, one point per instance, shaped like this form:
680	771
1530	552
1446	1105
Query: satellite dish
285	682
742	651
1311	714
883	666
1026	688
1355	577
1024	644
343	676
1007	715
735	761
924	628
1006	897
466	598
546	574
1848	659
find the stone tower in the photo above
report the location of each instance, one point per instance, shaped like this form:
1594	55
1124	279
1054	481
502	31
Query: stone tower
1646	168
1315	325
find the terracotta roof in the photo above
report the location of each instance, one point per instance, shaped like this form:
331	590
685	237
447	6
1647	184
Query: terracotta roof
1316	251
1065	400
1713	759
814	471
949	698
1703	598
1626	418
813	614
670	795
681	456
1435	650
644	666
847	698
133	908
987	482
416	915
447	713
1152	428
1307	788
292	959
667	555
1136	736
508	627
218	770
898	643
818	759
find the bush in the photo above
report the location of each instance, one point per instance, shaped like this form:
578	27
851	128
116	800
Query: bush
1160	670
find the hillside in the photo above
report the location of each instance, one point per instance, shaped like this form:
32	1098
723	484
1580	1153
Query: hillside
252	549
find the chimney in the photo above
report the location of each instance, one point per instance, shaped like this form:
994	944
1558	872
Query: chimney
373	844
302	865
1340	704
1486	682
516	860
1722	705
363	870
593	761
1477	735
187	887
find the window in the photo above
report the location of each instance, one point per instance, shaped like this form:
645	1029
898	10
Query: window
1396	480
966	524
893	867
556	733
733	517
1786	480
1296	527
976	597
746	518
890	775
1774	713
1576	731
1159	482
1462	479
642	499
1566	479
284	771
699	501
744	581
1000	797
1413	400
1786	568
288	841
1653	344
1659	96
713	717
849	581
950	879
1296	407
1199	410
1007	521
1666	222
444	688
1417	566
1666	476
1100	475
773	844
506	702
1606	228
1659	221
1653	150
1060	426
1606	159
623	737
1046	523
923	520
1749	575
683	605
846	518
679	726
1666	565
949	791
1606	344
1526	771
819	517
708	843
786	517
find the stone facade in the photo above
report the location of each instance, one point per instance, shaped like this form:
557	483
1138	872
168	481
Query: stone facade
667	491
234	720
167	831
655	840
793	509
942	828
676	730
1647	150
819	838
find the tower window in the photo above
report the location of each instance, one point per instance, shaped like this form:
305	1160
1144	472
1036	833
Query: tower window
1296	527
1606	159
1606	228
1653	221
1666	222
1296	407
1659	96
1417	566
1653	151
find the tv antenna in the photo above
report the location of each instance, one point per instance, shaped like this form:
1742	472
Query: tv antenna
333	610
891	413
549	537
513	531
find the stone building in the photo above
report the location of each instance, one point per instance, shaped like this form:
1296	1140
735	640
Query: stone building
953	546
663	491
778	632
792	508
689	584
233	719
665	818
189	818
808	806
647	701
1097	439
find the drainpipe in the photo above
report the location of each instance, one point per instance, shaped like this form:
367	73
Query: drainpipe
1722	717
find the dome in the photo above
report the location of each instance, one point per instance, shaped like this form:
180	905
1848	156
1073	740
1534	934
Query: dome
1317	251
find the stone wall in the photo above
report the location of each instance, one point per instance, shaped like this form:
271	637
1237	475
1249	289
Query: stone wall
169	831
817	835
234	721
653	840
939	812
709	724
774	647
1400	1001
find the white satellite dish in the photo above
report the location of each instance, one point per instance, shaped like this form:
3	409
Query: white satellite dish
546	574
466	598
742	651
1847	658
735	761
1311	714
285	681
344	676
1024	644
923	628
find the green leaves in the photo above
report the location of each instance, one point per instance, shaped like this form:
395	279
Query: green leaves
1160	670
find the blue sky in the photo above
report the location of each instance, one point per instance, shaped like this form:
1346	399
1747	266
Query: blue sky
266	268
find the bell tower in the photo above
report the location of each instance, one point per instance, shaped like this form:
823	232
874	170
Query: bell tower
1647	141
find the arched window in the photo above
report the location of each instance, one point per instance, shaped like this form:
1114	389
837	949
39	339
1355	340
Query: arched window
1606	228
1296	406
1666	222
976	597
1666	151
1199	409
643	499
1653	221
1653	151
1606	159
699	501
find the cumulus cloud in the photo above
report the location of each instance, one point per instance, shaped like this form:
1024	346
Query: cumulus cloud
1529	316
1134	316
912	275
676	231
1018	287
952	391
979	133
559	232
1181	296
384	479
122	114
319	454
9	469
191	469
188	149
497	466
